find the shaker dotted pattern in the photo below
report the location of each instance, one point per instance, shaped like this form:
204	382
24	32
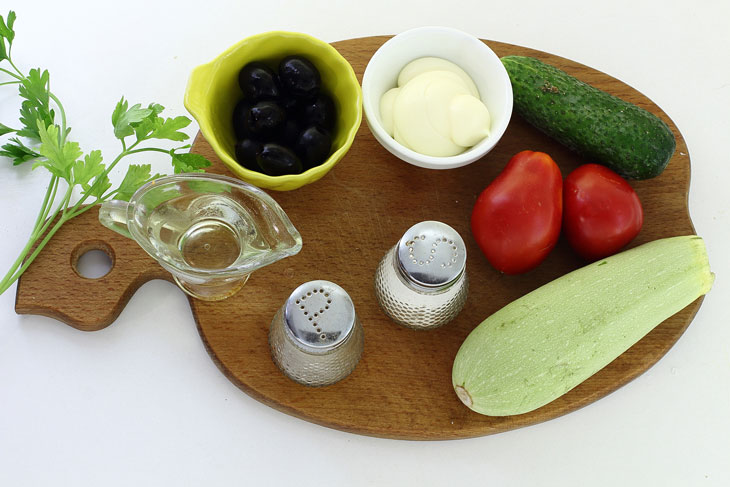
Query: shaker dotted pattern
312	314
314	369
450	260
401	303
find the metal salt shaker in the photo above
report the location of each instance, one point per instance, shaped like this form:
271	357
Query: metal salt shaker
316	337
421	282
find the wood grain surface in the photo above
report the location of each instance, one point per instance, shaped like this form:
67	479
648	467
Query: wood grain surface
348	220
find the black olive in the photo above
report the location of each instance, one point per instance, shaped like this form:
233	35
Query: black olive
265	118
313	146
240	126
319	112
277	160
291	105
299	77
258	81
246	152
289	133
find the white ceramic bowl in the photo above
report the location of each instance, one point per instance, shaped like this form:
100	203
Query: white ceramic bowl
462	49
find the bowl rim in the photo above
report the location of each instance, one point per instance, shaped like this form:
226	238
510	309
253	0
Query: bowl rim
409	155
287	181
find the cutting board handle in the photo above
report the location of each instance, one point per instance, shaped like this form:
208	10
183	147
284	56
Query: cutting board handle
86	303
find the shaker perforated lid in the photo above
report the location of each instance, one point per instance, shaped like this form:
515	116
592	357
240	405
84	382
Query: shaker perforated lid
431	254
319	315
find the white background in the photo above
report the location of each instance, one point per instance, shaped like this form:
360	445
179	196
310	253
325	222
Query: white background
141	402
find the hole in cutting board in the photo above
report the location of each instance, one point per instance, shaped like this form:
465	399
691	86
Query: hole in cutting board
92	259
94	264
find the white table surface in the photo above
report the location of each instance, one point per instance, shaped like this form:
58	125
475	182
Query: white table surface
142	403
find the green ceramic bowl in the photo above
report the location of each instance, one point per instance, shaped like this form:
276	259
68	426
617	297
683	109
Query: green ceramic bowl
213	92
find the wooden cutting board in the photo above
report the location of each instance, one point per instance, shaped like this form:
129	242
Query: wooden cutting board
348	220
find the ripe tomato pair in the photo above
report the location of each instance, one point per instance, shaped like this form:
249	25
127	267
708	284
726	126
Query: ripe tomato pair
517	219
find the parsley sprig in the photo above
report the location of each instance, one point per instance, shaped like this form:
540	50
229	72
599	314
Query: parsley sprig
43	137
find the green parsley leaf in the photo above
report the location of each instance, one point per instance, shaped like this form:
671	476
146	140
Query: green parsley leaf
18	152
4	129
59	159
170	129
123	118
188	162
120	109
6	30
100	185
136	176
156	108
30	116
144	128
88	169
36	107
156	127
35	88
11	21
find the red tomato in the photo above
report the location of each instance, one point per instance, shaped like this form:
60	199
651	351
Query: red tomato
602	213
516	219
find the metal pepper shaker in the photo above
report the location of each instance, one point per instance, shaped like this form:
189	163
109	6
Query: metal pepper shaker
316	337
421	282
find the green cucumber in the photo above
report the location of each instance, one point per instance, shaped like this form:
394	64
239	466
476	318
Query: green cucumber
603	128
545	343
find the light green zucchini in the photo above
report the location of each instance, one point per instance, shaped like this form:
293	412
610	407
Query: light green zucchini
545	343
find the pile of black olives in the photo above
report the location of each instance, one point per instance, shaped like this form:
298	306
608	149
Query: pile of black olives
284	122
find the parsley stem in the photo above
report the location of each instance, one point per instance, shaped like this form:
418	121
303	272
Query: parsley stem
52	199
13	64
50	217
10	73
147	149
41	225
46	223
12	275
98	180
124	153
9	280
10	83
63	206
62	136
135	144
14	272
35	233
76	211
47	203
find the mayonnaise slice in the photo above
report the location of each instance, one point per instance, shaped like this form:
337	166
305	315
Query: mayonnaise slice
435	110
415	127
442	88
386	109
426	64
469	120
